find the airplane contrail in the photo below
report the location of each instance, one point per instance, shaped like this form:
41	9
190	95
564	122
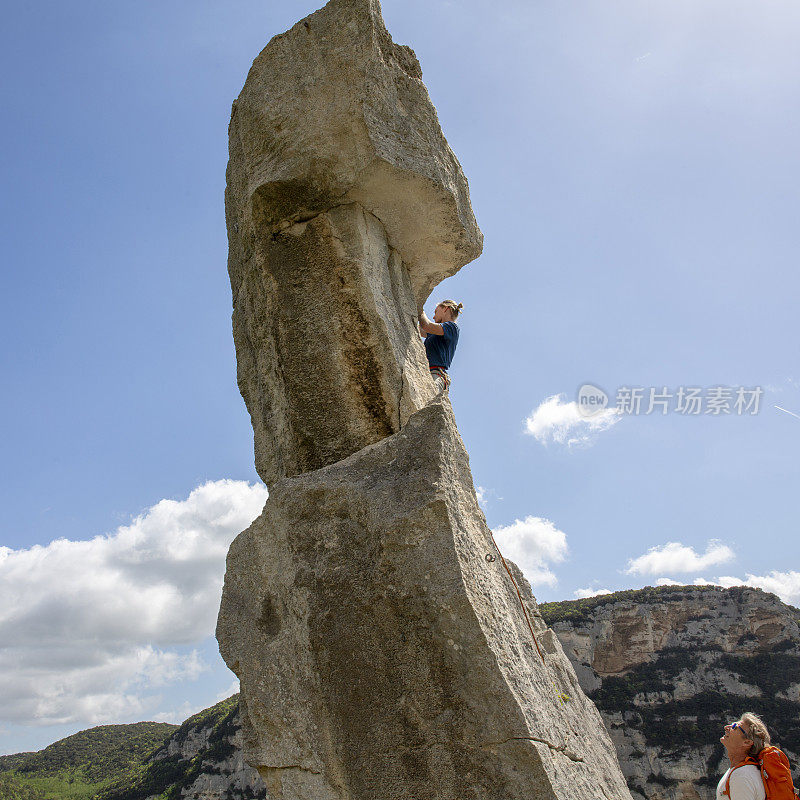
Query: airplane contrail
788	412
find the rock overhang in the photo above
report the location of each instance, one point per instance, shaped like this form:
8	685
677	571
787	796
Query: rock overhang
334	112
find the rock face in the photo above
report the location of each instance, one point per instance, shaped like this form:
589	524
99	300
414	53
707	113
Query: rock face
329	357
345	207
382	656
668	667
334	112
383	653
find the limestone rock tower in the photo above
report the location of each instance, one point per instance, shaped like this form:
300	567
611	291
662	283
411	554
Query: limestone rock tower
383	650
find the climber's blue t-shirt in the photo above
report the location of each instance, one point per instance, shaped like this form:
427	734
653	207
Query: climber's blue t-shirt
440	349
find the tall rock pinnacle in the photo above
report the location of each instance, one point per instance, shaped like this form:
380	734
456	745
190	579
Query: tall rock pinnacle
384	651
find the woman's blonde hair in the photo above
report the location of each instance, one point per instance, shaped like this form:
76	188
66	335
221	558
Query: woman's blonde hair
453	306
757	732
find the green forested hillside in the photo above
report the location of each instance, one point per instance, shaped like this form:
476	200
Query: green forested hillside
77	767
125	762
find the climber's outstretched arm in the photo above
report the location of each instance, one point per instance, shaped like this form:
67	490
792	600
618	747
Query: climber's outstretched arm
426	326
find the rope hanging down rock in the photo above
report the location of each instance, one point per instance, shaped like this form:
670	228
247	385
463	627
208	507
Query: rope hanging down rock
564	698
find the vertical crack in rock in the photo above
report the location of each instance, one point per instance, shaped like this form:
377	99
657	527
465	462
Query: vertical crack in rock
377	649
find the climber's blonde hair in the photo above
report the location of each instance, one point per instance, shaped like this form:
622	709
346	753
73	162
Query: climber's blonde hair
453	306
756	732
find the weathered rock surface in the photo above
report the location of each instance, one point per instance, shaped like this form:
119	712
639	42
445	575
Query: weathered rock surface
382	656
668	667
334	112
345	207
329	356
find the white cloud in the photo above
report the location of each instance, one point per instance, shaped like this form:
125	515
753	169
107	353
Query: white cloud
90	628
784	584
581	594
532	544
676	557
561	422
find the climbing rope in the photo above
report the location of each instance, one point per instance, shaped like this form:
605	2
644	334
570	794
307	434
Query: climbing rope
519	595
563	697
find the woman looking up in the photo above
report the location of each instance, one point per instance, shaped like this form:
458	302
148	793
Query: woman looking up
441	338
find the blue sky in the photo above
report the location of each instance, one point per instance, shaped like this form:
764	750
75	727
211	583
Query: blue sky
634	169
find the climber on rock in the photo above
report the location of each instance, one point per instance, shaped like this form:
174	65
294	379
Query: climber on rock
441	338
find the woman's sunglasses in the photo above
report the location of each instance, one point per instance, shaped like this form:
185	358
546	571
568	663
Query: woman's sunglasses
734	725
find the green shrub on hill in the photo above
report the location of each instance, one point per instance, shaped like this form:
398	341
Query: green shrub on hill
772	672
13	761
61	786
578	612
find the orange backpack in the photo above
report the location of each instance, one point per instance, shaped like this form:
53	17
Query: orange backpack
775	772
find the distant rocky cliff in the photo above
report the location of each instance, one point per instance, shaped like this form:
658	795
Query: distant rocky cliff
668	666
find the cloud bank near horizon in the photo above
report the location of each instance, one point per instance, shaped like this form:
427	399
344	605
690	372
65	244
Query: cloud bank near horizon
92	629
786	585
677	557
